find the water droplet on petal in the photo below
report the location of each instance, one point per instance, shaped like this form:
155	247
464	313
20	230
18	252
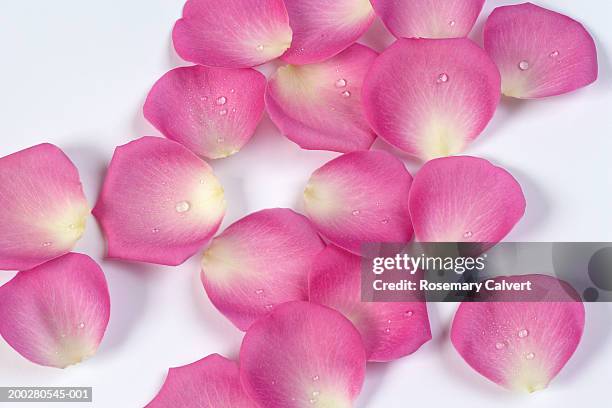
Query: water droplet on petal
259	292
452	23
530	356
81	325
341	83
442	78
312	401
524	65
46	244
385	220
269	307
182	206
356	212
315	378
221	100
387	330
346	94
554	54
315	393
523	333
223	112
499	345
408	313
260	47
155	230
468	234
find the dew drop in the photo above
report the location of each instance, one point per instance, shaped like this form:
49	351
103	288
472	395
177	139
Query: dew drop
81	325
234	110
221	100
523	333
524	65
554	54
269	307
155	230
182	206
452	23
356	212
260	47
442	78
232	90
468	234
387	330
499	345
341	83
259	292
204	98
223	112
385	221
315	378
530	356
346	94
46	244
202	181
408	313
315	393
312	401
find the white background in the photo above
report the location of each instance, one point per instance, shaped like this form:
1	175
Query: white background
75	73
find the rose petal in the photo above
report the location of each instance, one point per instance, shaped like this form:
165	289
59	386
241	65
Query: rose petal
211	111
389	330
318	106
360	197
42	207
212	382
258	262
160	203
539	52
322	28
427	18
464	199
435	108
302	355
520	345
56	314
232	33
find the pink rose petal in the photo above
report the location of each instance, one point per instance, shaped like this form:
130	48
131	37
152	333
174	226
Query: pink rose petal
430	98
428	18
464	199
259	262
302	355
160	203
56	314
360	197
389	330
232	33
211	111
520	345
318	106
323	28
42	207
211	382
539	52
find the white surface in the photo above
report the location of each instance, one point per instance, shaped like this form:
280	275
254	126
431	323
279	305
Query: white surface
75	73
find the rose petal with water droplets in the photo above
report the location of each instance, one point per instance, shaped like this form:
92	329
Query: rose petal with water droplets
427	18
360	197
464	199
318	106
42	207
520	345
539	52
56	314
212	382
322	29
259	262
160	203
232	33
302	355
211	111
440	103
390	330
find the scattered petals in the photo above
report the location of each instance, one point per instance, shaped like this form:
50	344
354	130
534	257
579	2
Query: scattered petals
389	330
323	28
427	18
259	262
211	111
520	345
539	52
430	98
319	107
160	203
42	207
232	33
302	355
56	314
212	382
360	197
464	199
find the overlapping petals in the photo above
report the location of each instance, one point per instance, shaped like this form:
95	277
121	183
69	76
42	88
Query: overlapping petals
302	355
160	203
212	382
427	18
360	197
322	28
232	33
430	98
521	345
464	199
389	330
259	262
42	207
318	106
539	52
211	111
56	314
